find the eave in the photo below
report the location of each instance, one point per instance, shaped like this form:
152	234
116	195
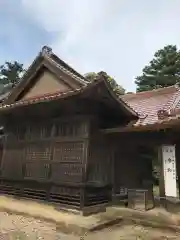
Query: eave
81	91
172	122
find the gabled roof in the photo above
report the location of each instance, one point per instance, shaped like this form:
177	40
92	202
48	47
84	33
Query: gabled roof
101	78
46	58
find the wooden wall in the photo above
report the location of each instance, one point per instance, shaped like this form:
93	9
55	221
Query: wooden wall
99	161
78	159
50	151
64	160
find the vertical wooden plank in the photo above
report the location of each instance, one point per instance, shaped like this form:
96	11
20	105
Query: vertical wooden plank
85	160
115	157
85	163
161	178
3	154
112	172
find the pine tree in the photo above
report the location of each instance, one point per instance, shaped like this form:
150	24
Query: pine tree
10	73
162	71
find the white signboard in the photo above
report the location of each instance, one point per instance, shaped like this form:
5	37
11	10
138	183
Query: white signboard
169	165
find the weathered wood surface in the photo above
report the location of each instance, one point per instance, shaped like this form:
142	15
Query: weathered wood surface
51	161
53	151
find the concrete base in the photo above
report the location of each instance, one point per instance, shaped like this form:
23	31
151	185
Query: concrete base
87	211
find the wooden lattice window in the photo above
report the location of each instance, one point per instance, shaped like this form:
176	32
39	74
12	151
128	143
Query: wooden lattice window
38	152
61	172
68	152
37	170
37	161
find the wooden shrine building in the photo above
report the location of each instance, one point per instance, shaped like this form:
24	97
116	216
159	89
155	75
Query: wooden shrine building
76	143
53	146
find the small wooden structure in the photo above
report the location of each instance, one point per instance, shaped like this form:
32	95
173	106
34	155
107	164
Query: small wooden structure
53	147
158	126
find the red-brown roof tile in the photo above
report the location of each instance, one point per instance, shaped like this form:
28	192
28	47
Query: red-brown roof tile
41	98
147	104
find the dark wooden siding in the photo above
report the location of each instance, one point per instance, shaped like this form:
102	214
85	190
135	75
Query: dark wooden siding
53	151
99	162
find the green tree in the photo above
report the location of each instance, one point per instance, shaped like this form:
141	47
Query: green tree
119	90
10	73
162	71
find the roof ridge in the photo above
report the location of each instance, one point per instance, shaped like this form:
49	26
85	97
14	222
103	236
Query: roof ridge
70	69
176	99
81	80
150	91
172	100
47	53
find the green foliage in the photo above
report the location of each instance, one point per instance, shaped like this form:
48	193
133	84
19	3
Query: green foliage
162	71
119	90
10	73
5	88
90	76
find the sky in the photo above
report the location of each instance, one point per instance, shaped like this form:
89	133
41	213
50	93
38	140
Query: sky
116	36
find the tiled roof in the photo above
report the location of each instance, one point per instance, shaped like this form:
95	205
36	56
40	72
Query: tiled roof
148	104
168	122
151	106
61	95
42	98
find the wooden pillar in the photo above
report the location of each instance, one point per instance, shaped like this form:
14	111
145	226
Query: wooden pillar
113	173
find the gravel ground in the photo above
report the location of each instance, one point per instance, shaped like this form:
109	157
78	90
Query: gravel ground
14	226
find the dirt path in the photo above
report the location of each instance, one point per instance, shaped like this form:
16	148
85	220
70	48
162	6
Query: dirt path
17	225
14	226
